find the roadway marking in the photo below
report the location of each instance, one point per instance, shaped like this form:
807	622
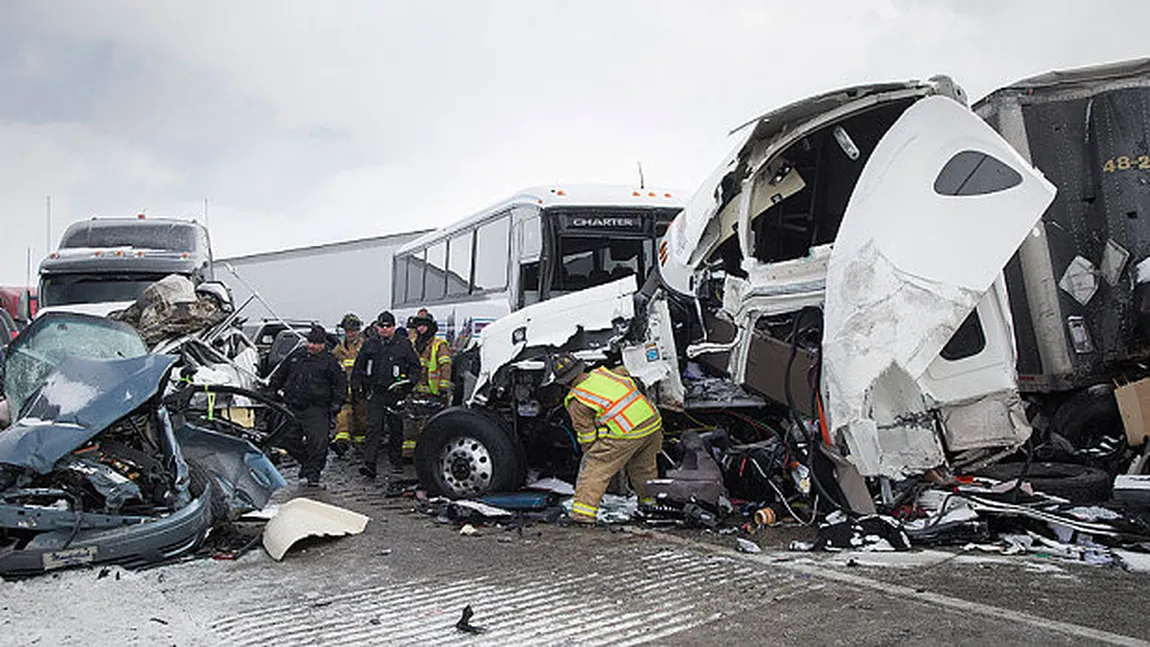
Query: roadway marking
906	593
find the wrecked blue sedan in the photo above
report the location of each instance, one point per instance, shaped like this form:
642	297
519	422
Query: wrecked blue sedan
93	469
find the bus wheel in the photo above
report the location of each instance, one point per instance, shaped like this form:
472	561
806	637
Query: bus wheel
463	453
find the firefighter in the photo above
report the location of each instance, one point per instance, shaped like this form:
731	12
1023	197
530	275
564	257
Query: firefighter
434	356
615	424
352	420
435	378
313	385
410	330
385	364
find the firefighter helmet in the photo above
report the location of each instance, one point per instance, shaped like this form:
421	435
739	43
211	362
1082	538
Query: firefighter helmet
565	367
350	322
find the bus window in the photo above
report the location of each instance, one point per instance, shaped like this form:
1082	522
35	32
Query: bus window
459	265
623	258
399	280
492	254
575	268
528	283
435	280
530	237
415	277
587	262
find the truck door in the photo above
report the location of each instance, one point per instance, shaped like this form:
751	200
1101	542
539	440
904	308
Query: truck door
939	209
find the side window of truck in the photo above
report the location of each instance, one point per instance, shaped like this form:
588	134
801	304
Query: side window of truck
967	341
975	173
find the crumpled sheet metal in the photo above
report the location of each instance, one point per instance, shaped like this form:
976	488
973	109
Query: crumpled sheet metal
303	517
875	354
551	323
908	265
170	308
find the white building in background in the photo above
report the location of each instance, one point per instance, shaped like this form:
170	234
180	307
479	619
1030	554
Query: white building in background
320	282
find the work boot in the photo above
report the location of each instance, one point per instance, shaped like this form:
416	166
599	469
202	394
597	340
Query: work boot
340	448
367	471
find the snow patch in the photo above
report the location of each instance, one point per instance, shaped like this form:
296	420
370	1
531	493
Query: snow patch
68	395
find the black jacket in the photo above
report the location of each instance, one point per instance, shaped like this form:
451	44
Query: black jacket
309	380
383	362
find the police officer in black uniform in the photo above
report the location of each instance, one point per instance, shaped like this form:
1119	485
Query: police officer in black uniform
384	371
314	386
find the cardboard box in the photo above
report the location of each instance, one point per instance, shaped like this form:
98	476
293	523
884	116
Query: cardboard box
1134	404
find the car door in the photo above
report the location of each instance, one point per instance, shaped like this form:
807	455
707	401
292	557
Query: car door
939	209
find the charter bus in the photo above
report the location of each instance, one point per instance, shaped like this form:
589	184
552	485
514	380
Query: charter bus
540	243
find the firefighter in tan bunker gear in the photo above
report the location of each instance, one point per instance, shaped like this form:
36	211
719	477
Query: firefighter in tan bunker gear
351	423
617	427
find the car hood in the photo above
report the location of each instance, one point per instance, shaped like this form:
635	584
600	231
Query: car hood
78	400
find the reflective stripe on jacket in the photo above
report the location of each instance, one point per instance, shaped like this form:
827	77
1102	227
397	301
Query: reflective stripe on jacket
436	368
346	352
620	408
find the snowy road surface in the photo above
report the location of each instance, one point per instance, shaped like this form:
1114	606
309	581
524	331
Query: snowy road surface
407	579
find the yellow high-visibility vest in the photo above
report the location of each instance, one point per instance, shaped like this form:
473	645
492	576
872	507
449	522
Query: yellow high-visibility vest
618	404
435	382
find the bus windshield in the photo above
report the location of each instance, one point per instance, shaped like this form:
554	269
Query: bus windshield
603	245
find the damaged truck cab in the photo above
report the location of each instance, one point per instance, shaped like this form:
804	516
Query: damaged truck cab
841	266
884	213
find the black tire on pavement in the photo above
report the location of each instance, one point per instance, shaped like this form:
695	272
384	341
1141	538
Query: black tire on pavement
1075	483
463	453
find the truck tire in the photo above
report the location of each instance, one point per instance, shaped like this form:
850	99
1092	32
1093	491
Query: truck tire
1075	483
1090	417
466	453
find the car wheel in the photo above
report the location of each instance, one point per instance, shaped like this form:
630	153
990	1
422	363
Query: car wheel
202	481
1075	483
465	453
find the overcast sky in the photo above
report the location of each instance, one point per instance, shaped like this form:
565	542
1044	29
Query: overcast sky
305	122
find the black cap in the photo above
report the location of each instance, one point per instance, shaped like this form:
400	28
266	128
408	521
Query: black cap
386	318
316	335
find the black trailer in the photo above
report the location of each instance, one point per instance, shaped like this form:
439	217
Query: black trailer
1079	287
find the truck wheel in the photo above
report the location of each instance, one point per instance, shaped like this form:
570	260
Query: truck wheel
1075	483
1090	421
464	453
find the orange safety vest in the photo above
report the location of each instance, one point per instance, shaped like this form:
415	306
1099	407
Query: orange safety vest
621	410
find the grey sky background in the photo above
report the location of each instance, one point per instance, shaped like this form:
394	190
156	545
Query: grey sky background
305	122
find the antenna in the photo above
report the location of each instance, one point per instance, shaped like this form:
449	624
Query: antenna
48	223
642	182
